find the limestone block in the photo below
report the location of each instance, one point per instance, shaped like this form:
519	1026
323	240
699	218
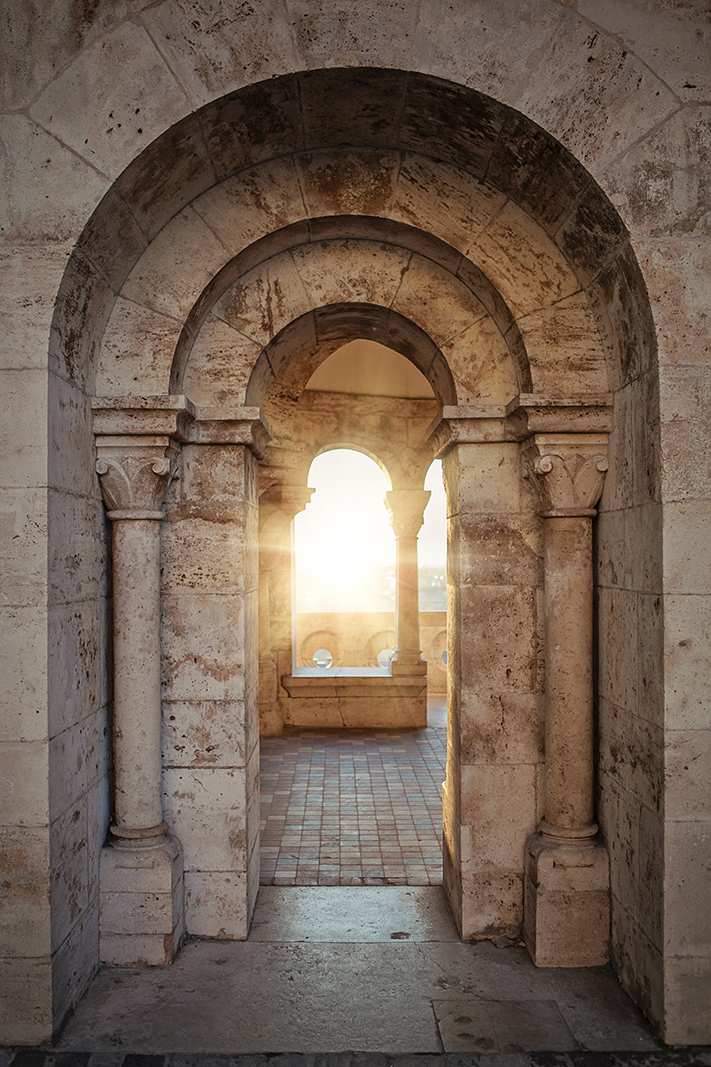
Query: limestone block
610	547
619	662
682	326
219	48
74	964
687	919
495	61
203	647
176	266
23	783
220	363
265	300
681	392
687	661
23	674
204	733
498	813
98	800
684	475
38	171
670	40
332	34
649	904
687	774
137	346
426	126
23	538
631	754
488	480
622	833
75	756
216	905
357	271
22	441
206	809
199	556
26	1005
25	323
215	484
481	364
643	540
687	1002
651	659
536	276
442	305
661	184
84	303
25	919
141	904
565	348
543	182
77	662
496	652
591	93
71	462
492	904
352	182
456	205
251	205
77	548
566	904
69	870
119	116
638	962
500	549
501	729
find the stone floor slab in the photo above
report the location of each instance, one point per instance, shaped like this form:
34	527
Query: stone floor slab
352	914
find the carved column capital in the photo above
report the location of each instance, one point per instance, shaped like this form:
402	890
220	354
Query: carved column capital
407	511
567	472
134	473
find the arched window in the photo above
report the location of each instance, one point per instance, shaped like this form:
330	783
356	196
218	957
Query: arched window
344	565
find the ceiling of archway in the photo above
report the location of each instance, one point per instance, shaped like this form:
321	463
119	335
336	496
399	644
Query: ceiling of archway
366	368
512	213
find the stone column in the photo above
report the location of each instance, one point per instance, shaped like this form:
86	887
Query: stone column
278	505
406	507
566	902
141	875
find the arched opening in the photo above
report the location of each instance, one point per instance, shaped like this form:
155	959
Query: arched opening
344	565
507	281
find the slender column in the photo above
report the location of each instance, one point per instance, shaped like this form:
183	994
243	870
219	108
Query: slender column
141	862
406	507
566	916
138	805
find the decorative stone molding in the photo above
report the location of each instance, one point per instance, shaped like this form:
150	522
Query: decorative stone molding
567	472
407	511
134	473
467	424
177	417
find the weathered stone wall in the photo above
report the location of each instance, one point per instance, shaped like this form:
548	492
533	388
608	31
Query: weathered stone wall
210	714
623	86
493	794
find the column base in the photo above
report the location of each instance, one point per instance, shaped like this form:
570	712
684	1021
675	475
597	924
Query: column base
141	909
566	919
408	663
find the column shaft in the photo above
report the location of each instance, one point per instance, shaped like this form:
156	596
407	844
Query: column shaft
137	707
568	656
407	604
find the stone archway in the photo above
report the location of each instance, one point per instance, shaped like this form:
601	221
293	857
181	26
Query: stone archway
543	284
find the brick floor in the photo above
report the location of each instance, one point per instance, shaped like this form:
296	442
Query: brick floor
355	807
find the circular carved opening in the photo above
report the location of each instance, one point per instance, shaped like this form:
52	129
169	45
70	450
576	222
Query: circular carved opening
322	658
384	656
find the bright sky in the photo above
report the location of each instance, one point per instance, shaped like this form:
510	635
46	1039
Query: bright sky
344	542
